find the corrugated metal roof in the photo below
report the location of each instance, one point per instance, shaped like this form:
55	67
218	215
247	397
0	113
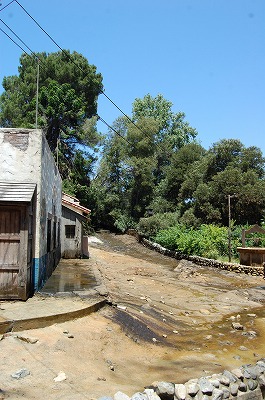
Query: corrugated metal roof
16	191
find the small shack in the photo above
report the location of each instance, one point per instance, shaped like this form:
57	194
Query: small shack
30	212
253	255
74	244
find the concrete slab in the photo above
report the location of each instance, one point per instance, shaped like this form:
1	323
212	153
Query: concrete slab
73	291
38	311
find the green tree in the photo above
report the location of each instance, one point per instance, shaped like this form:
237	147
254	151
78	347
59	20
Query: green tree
228	168
68	90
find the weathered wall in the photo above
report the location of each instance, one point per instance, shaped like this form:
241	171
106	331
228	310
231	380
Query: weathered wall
251	270
25	157
20	155
71	247
49	215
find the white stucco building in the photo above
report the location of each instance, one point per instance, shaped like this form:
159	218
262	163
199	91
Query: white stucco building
30	212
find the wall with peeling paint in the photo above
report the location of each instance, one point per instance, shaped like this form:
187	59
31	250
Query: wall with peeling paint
25	156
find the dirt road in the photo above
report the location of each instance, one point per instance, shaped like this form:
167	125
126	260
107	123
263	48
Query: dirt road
167	321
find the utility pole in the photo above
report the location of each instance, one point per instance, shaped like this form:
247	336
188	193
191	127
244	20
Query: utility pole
229	225
37	93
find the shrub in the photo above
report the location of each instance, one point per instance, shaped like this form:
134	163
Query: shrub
149	227
207	241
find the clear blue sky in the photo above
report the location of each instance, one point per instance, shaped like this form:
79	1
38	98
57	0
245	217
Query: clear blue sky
206	56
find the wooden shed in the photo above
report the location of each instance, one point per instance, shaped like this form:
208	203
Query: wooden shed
17	205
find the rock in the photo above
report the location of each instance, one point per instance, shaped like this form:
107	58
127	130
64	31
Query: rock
261	380
205	386
251	372
243	348
192	388
226	393
217	394
252	315
232	378
28	339
165	390
238	373
234	389
70	336
261	364
151	394
21	373
120	396
215	382
180	391
224	380
250	334
208	337
252	384
139	396
242	387
60	377
237	326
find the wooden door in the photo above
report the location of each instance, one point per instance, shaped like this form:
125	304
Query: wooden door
13	252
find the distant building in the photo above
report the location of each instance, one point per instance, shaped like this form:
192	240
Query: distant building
74	244
30	212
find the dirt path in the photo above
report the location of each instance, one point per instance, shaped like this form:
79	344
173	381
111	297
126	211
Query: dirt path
163	325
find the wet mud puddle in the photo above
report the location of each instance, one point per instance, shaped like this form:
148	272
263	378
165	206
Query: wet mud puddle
69	277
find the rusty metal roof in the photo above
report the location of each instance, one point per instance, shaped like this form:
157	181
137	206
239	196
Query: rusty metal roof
16	191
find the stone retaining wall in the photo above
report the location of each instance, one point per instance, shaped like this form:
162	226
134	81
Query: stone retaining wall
205	262
244	383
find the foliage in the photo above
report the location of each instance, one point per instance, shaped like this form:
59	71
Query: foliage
135	158
150	226
228	168
68	90
206	241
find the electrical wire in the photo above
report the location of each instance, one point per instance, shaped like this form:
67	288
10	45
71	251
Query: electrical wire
114	130
7	5
24	51
73	61
32	52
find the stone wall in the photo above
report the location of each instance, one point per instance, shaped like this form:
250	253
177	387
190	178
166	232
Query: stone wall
244	383
205	262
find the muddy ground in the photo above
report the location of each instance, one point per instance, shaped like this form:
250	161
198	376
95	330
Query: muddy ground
166	320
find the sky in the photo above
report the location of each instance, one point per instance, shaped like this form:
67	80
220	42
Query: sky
205	56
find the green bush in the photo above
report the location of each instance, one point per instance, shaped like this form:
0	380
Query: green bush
149	227
207	241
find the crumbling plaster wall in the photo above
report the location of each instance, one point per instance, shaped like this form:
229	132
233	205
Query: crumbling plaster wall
25	156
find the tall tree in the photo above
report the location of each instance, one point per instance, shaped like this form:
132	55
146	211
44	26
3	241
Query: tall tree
68	90
228	168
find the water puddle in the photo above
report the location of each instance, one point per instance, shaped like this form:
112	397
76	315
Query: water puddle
68	277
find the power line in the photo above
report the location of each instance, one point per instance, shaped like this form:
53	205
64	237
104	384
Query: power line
114	130
7	5
24	51
18	39
73	61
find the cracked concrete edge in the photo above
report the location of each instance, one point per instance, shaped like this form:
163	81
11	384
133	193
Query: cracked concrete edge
43	321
